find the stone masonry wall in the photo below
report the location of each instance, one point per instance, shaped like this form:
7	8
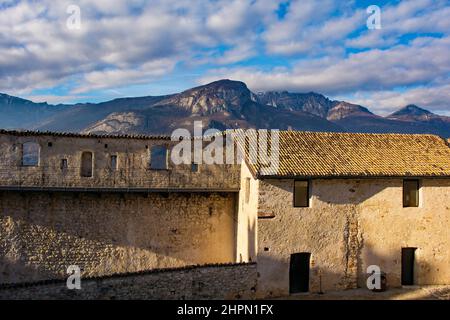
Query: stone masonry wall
350	225
42	233
206	282
133	165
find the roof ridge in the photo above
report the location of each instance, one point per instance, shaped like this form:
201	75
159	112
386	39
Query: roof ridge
81	135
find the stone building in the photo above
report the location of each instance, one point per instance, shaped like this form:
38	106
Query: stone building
341	202
338	203
110	205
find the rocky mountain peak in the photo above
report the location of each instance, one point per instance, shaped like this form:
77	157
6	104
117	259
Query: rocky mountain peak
411	109
311	102
222	95
344	109
411	112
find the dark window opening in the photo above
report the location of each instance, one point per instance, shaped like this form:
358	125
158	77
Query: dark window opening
30	154
301	193
158	158
411	193
50	144
86	164
64	164
114	162
194	167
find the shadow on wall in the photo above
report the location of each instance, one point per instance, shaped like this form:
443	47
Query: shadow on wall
41	234
358	191
421	271
274	279
251	245
351	192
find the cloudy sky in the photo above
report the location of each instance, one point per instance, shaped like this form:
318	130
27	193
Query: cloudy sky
138	47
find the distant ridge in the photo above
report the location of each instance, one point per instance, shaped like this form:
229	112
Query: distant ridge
221	104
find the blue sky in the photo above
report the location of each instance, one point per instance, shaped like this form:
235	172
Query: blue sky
139	47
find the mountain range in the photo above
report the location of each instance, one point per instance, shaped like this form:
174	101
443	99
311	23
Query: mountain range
221	104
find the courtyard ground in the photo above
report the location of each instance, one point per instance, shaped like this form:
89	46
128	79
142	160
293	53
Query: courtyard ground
404	293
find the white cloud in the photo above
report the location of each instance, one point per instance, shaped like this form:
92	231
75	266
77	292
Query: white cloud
422	62
435	99
122	43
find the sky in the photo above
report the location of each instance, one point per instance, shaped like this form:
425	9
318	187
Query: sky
90	51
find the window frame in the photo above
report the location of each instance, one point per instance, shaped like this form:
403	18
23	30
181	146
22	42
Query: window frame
419	186
308	193
92	164
116	166
64	164
166	149
38	162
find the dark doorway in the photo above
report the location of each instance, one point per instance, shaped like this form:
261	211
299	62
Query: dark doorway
299	272
408	266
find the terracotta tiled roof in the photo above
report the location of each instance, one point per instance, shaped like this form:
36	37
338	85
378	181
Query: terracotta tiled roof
320	154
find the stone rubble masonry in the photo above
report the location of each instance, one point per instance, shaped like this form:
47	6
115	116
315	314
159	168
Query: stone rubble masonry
42	233
225	281
133	165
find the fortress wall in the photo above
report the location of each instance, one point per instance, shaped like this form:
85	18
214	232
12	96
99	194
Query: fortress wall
42	233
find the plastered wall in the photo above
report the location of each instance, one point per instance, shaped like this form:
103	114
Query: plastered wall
350	225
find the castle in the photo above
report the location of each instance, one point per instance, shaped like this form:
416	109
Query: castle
337	204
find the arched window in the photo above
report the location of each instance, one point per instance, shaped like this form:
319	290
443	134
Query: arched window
30	154
86	164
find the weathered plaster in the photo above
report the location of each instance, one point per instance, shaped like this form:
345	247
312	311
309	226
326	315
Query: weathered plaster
350	225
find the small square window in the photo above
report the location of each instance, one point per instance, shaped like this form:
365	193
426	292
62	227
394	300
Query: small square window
194	167
113	162
301	193
411	193
64	164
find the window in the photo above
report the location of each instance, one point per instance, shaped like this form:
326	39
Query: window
194	167
86	164
114	162
410	193
30	154
158	158
301	193
64	164
247	190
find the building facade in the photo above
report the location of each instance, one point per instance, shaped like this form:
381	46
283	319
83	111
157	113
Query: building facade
337	204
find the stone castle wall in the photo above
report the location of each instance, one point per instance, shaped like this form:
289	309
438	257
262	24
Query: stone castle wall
42	233
133	165
204	282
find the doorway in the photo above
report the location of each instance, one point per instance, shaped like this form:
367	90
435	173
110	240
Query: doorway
299	272
408	266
